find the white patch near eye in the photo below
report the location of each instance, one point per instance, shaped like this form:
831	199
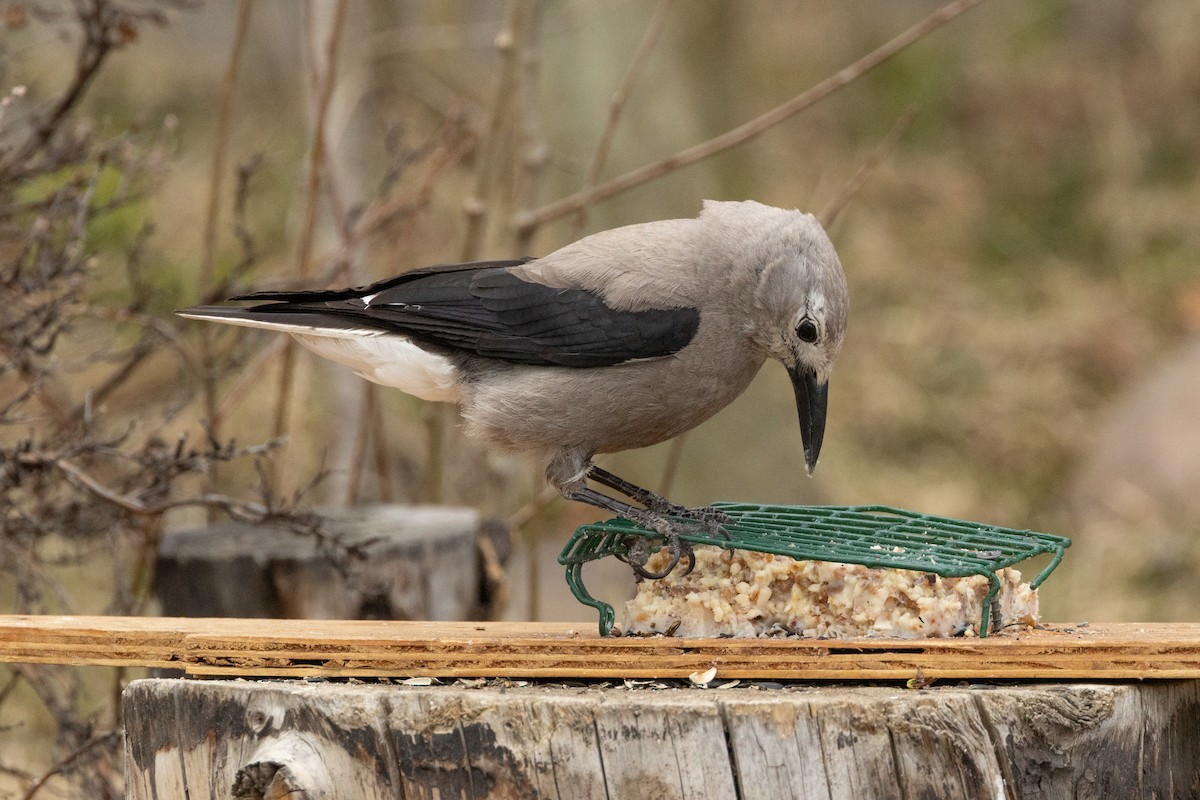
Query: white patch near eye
367	298
816	303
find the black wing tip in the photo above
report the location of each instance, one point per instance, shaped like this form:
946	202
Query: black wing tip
275	294
216	313
204	311
321	295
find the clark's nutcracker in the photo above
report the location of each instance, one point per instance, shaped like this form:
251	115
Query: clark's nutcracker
623	339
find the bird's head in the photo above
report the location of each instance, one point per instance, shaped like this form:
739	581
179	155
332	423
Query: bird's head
799	318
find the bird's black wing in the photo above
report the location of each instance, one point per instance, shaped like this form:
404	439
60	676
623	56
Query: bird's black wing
484	309
412	276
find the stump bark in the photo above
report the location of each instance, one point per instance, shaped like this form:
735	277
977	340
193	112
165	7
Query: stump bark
755	740
371	562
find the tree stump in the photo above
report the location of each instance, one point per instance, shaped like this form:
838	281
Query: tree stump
275	739
371	562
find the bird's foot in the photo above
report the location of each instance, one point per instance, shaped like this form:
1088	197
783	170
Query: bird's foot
640	549
660	515
712	520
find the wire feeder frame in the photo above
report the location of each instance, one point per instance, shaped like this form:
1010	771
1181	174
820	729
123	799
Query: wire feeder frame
872	536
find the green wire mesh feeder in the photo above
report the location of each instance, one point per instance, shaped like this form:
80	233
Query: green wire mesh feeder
872	536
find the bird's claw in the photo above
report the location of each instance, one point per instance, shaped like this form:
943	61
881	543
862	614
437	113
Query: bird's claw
671	521
638	553
712	520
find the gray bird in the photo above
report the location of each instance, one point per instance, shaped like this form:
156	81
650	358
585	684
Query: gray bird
622	339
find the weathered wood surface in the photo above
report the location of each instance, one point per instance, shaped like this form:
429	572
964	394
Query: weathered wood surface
414	562
324	648
600	741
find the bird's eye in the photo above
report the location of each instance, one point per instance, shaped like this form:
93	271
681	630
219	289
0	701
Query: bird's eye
807	331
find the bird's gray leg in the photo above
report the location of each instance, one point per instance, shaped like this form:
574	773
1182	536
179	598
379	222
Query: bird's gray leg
678	548
568	472
649	499
711	518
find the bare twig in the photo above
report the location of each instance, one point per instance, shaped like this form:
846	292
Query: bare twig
251	512
671	468
216	176
208	242
362	437
221	288
324	94
283	390
37	384
525	514
155	330
520	522
96	21
383	471
324	83
107	739
748	130
241	229
839	201
535	151
534	158
249	376
520	13
475	206
436	419
453	144
13	679
109	482
116	379
649	40
14	772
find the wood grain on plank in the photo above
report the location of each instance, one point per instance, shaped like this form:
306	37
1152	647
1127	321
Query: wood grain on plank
756	739
289	648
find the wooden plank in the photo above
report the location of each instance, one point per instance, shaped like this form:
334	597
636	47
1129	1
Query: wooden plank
333	739
283	648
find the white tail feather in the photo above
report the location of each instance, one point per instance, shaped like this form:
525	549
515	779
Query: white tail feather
391	360
385	358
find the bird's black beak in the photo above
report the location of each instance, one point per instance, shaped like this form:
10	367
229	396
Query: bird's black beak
812	398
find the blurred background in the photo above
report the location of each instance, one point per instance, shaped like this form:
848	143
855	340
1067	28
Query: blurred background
1015	199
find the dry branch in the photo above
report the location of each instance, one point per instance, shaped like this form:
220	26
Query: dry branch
748	130
839	201
106	740
617	105
520	14
216	176
235	508
323	83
